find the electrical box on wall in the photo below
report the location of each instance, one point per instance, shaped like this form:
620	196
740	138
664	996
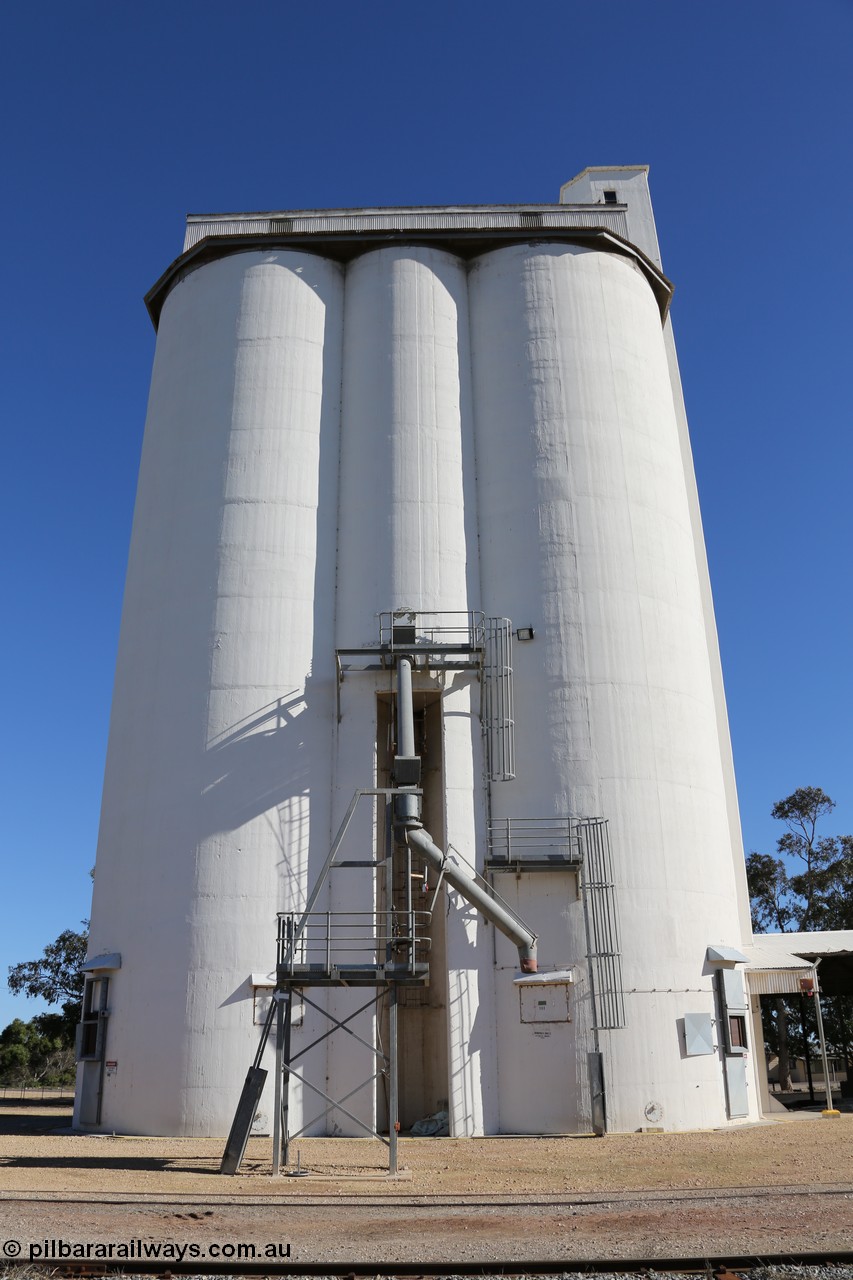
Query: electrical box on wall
541	1003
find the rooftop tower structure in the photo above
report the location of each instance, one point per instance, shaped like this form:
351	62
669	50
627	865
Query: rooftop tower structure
445	446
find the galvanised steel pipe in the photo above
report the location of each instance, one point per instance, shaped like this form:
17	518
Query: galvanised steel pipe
409	828
408	806
514	929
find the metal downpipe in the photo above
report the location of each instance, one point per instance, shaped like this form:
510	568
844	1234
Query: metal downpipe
408	807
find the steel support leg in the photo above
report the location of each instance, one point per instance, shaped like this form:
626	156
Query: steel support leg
285	1080
393	1099
276	1120
824	1056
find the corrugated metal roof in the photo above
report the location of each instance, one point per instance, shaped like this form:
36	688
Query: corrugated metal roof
772	971
777	982
760	956
831	942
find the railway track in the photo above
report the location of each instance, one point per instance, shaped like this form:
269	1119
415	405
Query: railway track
767	1266
735	1232
429	1200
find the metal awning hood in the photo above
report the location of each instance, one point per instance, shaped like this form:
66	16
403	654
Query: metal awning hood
557	977
725	955
107	960
262	979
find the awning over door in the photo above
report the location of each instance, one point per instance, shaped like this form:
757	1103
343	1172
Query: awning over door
831	949
773	971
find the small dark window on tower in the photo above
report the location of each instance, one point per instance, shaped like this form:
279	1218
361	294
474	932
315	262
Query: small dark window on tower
610	197
737	1031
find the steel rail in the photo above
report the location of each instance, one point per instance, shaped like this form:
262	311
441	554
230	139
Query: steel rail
710	1265
423	1200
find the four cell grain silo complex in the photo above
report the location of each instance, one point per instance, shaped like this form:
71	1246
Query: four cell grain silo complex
418	634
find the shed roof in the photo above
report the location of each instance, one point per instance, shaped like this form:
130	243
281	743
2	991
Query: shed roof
832	949
830	942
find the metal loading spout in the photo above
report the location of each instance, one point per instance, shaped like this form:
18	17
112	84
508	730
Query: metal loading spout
509	924
409	829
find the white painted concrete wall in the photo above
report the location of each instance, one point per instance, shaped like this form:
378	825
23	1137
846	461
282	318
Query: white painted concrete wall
325	443
631	184
407	539
223	709
404	541
585	533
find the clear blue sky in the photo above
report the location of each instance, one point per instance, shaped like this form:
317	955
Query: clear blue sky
120	118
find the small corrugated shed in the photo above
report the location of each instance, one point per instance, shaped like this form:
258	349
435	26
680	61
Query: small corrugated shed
831	950
772	971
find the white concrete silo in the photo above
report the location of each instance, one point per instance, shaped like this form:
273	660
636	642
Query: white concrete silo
586	535
430	411
223	703
408	540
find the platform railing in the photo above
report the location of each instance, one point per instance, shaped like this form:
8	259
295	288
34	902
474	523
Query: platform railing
332	940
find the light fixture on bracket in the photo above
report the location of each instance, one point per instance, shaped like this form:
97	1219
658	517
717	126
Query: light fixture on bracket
525	633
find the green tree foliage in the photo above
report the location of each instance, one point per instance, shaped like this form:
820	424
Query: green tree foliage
36	1053
41	1051
56	976
806	887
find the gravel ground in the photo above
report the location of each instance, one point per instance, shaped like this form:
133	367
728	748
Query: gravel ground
781	1187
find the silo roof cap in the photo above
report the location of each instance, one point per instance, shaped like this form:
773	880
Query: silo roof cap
465	230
